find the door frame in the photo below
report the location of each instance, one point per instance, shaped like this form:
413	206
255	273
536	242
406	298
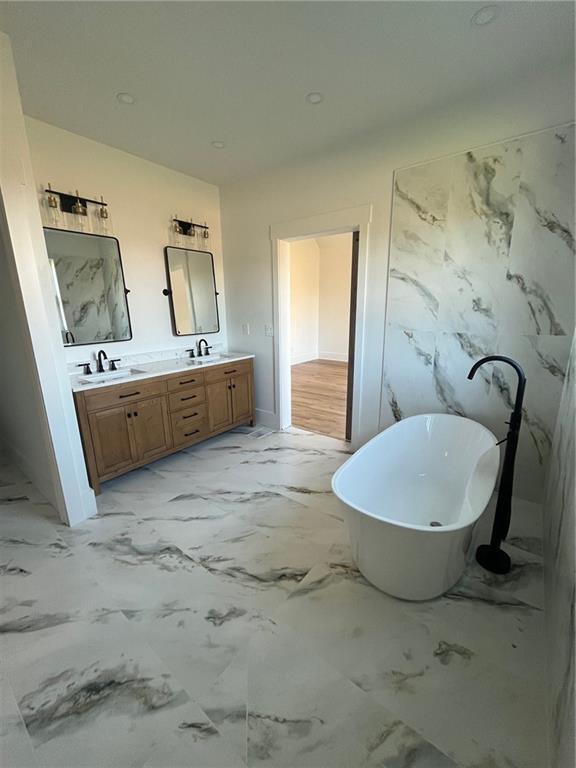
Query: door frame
352	334
356	219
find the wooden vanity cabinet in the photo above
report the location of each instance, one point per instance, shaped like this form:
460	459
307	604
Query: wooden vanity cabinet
126	435
127	425
112	442
150	426
241	397
229	394
219	404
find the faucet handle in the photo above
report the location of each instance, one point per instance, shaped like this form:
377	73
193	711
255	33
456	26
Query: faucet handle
86	366
192	352
112	363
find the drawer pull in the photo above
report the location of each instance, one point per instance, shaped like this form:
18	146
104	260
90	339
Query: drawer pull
188	381
189	434
190	397
130	394
190	415
232	371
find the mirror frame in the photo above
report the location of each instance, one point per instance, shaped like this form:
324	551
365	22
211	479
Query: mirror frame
126	290
168	291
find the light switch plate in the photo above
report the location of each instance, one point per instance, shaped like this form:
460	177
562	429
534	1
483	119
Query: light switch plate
245	329
268	330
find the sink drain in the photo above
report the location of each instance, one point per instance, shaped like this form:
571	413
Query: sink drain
435	524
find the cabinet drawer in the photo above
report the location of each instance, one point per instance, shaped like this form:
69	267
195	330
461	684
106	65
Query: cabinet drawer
186	433
186	398
185	380
122	394
189	416
220	372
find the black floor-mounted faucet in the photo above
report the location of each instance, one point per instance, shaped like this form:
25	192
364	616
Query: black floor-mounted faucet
490	556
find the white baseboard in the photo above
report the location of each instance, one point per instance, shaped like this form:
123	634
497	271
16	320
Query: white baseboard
304	358
267	419
341	357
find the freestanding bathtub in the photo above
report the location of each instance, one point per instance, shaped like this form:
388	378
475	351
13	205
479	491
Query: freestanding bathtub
412	496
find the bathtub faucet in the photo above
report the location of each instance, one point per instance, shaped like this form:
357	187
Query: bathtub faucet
490	556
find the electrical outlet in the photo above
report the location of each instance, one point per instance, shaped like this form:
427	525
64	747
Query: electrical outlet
268	330
245	329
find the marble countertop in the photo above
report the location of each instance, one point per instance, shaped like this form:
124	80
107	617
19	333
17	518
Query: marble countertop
138	372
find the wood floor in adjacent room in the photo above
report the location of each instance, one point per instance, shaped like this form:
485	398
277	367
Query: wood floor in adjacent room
319	397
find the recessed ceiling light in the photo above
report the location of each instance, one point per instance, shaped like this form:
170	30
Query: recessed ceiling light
219	144
125	98
315	97
485	15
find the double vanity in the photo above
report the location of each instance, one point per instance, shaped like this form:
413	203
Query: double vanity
134	415
131	417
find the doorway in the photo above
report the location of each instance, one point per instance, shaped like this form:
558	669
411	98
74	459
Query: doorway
323	275
363	385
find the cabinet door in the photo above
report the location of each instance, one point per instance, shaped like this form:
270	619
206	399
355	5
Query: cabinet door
219	405
112	441
241	397
151	427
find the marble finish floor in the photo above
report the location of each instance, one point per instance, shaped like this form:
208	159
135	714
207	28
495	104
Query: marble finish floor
211	617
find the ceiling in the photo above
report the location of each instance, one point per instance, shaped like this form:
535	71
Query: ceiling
239	72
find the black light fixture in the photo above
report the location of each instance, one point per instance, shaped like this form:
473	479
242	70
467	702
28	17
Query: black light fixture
188	228
76	204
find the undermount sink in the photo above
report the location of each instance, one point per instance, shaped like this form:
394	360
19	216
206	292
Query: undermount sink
123	373
208	358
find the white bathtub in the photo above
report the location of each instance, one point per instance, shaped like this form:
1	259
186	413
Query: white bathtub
422	471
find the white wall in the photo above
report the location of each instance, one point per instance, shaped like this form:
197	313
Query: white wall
304	300
334	310
143	198
37	417
361	175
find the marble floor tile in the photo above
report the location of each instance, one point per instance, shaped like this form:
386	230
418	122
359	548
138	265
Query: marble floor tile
210	616
268	546
320	718
524	583
103	681
200	637
225	703
16	750
404	657
526	526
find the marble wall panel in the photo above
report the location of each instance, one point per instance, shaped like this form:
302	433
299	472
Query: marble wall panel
482	262
417	244
560	583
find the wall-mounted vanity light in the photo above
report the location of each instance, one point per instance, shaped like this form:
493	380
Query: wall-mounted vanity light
65	211
184	231
80	207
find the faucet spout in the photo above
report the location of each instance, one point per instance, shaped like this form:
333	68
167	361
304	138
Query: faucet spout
100	358
521	381
491	556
